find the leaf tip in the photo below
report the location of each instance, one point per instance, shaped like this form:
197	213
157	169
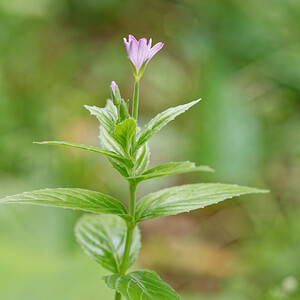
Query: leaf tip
40	143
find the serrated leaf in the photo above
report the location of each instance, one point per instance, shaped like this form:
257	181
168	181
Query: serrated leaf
103	237
107	115
109	142
184	198
108	153
142	159
125	131
161	120
112	108
141	285
171	168
119	167
79	199
111	145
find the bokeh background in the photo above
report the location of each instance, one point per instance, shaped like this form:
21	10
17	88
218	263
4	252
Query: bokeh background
241	57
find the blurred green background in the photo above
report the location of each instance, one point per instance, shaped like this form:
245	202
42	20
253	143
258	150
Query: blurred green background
242	57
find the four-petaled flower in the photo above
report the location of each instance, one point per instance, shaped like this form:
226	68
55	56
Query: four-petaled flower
140	53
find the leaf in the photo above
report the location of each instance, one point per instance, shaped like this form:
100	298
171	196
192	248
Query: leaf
107	115
103	237
142	159
124	132
109	142
108	153
161	120
141	285
188	197
78	199
171	168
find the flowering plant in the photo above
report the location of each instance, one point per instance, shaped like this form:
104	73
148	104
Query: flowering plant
109	234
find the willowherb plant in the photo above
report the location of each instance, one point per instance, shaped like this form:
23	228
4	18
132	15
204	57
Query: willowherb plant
110	235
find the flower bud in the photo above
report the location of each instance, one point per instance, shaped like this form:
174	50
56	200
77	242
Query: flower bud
115	93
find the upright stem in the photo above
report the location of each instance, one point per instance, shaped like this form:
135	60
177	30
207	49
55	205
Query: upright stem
118	296
132	188
130	225
135	104
130	230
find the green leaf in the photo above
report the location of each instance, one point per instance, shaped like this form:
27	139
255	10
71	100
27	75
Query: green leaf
188	197
107	116
141	285
161	120
103	237
125	131
108	153
78	199
110	142
171	169
142	159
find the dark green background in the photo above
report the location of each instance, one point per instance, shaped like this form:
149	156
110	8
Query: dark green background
241	57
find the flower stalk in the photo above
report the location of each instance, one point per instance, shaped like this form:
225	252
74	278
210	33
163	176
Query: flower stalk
135	103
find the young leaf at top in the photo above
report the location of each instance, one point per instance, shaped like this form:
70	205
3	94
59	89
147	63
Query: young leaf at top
141	285
78	199
125	131
107	153
102	237
160	121
171	168
184	198
107	116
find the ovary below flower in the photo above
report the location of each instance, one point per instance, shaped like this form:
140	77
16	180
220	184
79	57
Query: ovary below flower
140	53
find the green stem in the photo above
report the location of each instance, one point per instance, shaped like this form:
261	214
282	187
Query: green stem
135	103
132	200
130	225
129	235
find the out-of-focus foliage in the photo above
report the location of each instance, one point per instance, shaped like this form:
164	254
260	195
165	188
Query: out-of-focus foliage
241	57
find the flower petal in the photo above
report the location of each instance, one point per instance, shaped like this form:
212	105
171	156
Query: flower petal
131	38
155	49
126	44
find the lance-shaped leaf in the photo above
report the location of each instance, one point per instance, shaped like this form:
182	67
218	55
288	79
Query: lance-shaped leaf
188	197
172	168
78	199
107	115
160	121
141	285
124	132
103	237
108	153
142	159
110	142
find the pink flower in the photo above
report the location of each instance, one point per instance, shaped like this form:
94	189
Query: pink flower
140	53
